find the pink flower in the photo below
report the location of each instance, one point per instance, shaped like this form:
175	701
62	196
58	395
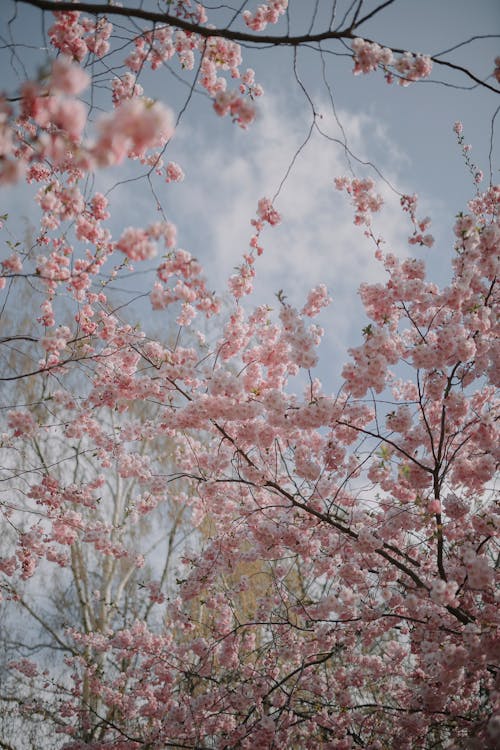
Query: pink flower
267	212
363	196
65	530
70	116
99	204
186	316
135	126
22	423
125	87
47	318
56	341
496	72
242	111
413	68
25	667
316	300
174	172
268	12
13	264
68	78
136	244
369	55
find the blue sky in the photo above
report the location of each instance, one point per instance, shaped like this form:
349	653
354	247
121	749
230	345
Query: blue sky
405	132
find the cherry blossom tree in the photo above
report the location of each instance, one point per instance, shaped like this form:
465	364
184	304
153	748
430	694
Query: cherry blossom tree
240	557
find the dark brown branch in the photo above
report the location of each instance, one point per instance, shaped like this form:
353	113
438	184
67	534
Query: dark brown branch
8	339
193	28
372	13
387	440
466	72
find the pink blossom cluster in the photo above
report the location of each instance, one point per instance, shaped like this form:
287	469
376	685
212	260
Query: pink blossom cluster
368	56
217	54
476	173
174	172
76	36
52	122
155	47
363	197
303	342
412	68
21	423
67	78
65	529
99	207
195	13
230	103
266	214
268	12
24	666
317	298
47	318
241	283
496	71
223	54
54	343
479	571
135	126
400	420
125	87
444	347
486	205
180	278
54	270
54	106
444	591
136	244
248	85
409	205
209	78
59	203
369	368
10	266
